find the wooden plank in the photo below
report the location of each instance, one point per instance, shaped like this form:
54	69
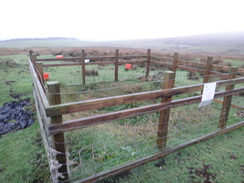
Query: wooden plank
125	168
201	65
59	145
39	71
212	73
132	61
148	62
227	100
232	105
132	56
169	65
169	81
42	128
130	98
59	59
83	67
75	64
192	69
207	69
116	69
38	85
175	61
155	58
109	117
61	64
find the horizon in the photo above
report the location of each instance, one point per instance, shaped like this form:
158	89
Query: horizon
43	38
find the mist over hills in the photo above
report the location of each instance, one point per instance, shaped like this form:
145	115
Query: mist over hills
222	43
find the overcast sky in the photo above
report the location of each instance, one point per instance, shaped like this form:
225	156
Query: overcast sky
118	19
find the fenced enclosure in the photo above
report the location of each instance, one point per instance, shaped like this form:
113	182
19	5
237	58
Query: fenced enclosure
98	119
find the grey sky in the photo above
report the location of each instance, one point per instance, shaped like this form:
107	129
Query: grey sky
118	19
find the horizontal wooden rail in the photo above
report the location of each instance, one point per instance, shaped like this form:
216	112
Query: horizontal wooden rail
124	168
62	64
161	58
59	59
167	64
92	58
94	63
192	69
38	85
104	118
214	66
232	105
130	98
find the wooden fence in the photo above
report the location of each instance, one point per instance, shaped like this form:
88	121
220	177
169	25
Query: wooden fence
50	109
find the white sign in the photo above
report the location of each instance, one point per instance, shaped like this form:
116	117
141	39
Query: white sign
208	94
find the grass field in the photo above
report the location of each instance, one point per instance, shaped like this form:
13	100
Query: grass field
22	156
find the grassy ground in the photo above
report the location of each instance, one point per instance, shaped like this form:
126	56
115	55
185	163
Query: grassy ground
210	161
22	156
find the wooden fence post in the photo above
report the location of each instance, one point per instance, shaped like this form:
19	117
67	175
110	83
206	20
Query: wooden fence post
227	100
39	68
83	67
207	69
30	52
175	61
169	80
58	145
116	72
148	62
33	60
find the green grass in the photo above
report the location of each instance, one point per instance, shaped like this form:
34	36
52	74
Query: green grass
22	156
214	160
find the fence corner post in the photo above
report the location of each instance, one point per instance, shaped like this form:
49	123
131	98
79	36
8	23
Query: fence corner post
148	62
227	100
116	72
58	139
175	61
169	80
39	68
83	67
208	68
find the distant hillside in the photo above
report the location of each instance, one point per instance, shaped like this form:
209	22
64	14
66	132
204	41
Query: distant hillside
228	43
231	43
29	39
43	42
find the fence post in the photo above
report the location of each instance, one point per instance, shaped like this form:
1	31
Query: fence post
116	72
33	60
227	100
83	67
30	52
58	145
208	68
169	80
175	61
39	68
148	62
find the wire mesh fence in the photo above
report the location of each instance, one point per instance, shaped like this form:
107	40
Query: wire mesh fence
108	137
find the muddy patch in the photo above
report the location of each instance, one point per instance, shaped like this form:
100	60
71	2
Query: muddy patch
203	173
8	63
15	116
9	82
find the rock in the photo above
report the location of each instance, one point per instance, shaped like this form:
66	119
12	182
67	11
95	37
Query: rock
13	116
8	127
